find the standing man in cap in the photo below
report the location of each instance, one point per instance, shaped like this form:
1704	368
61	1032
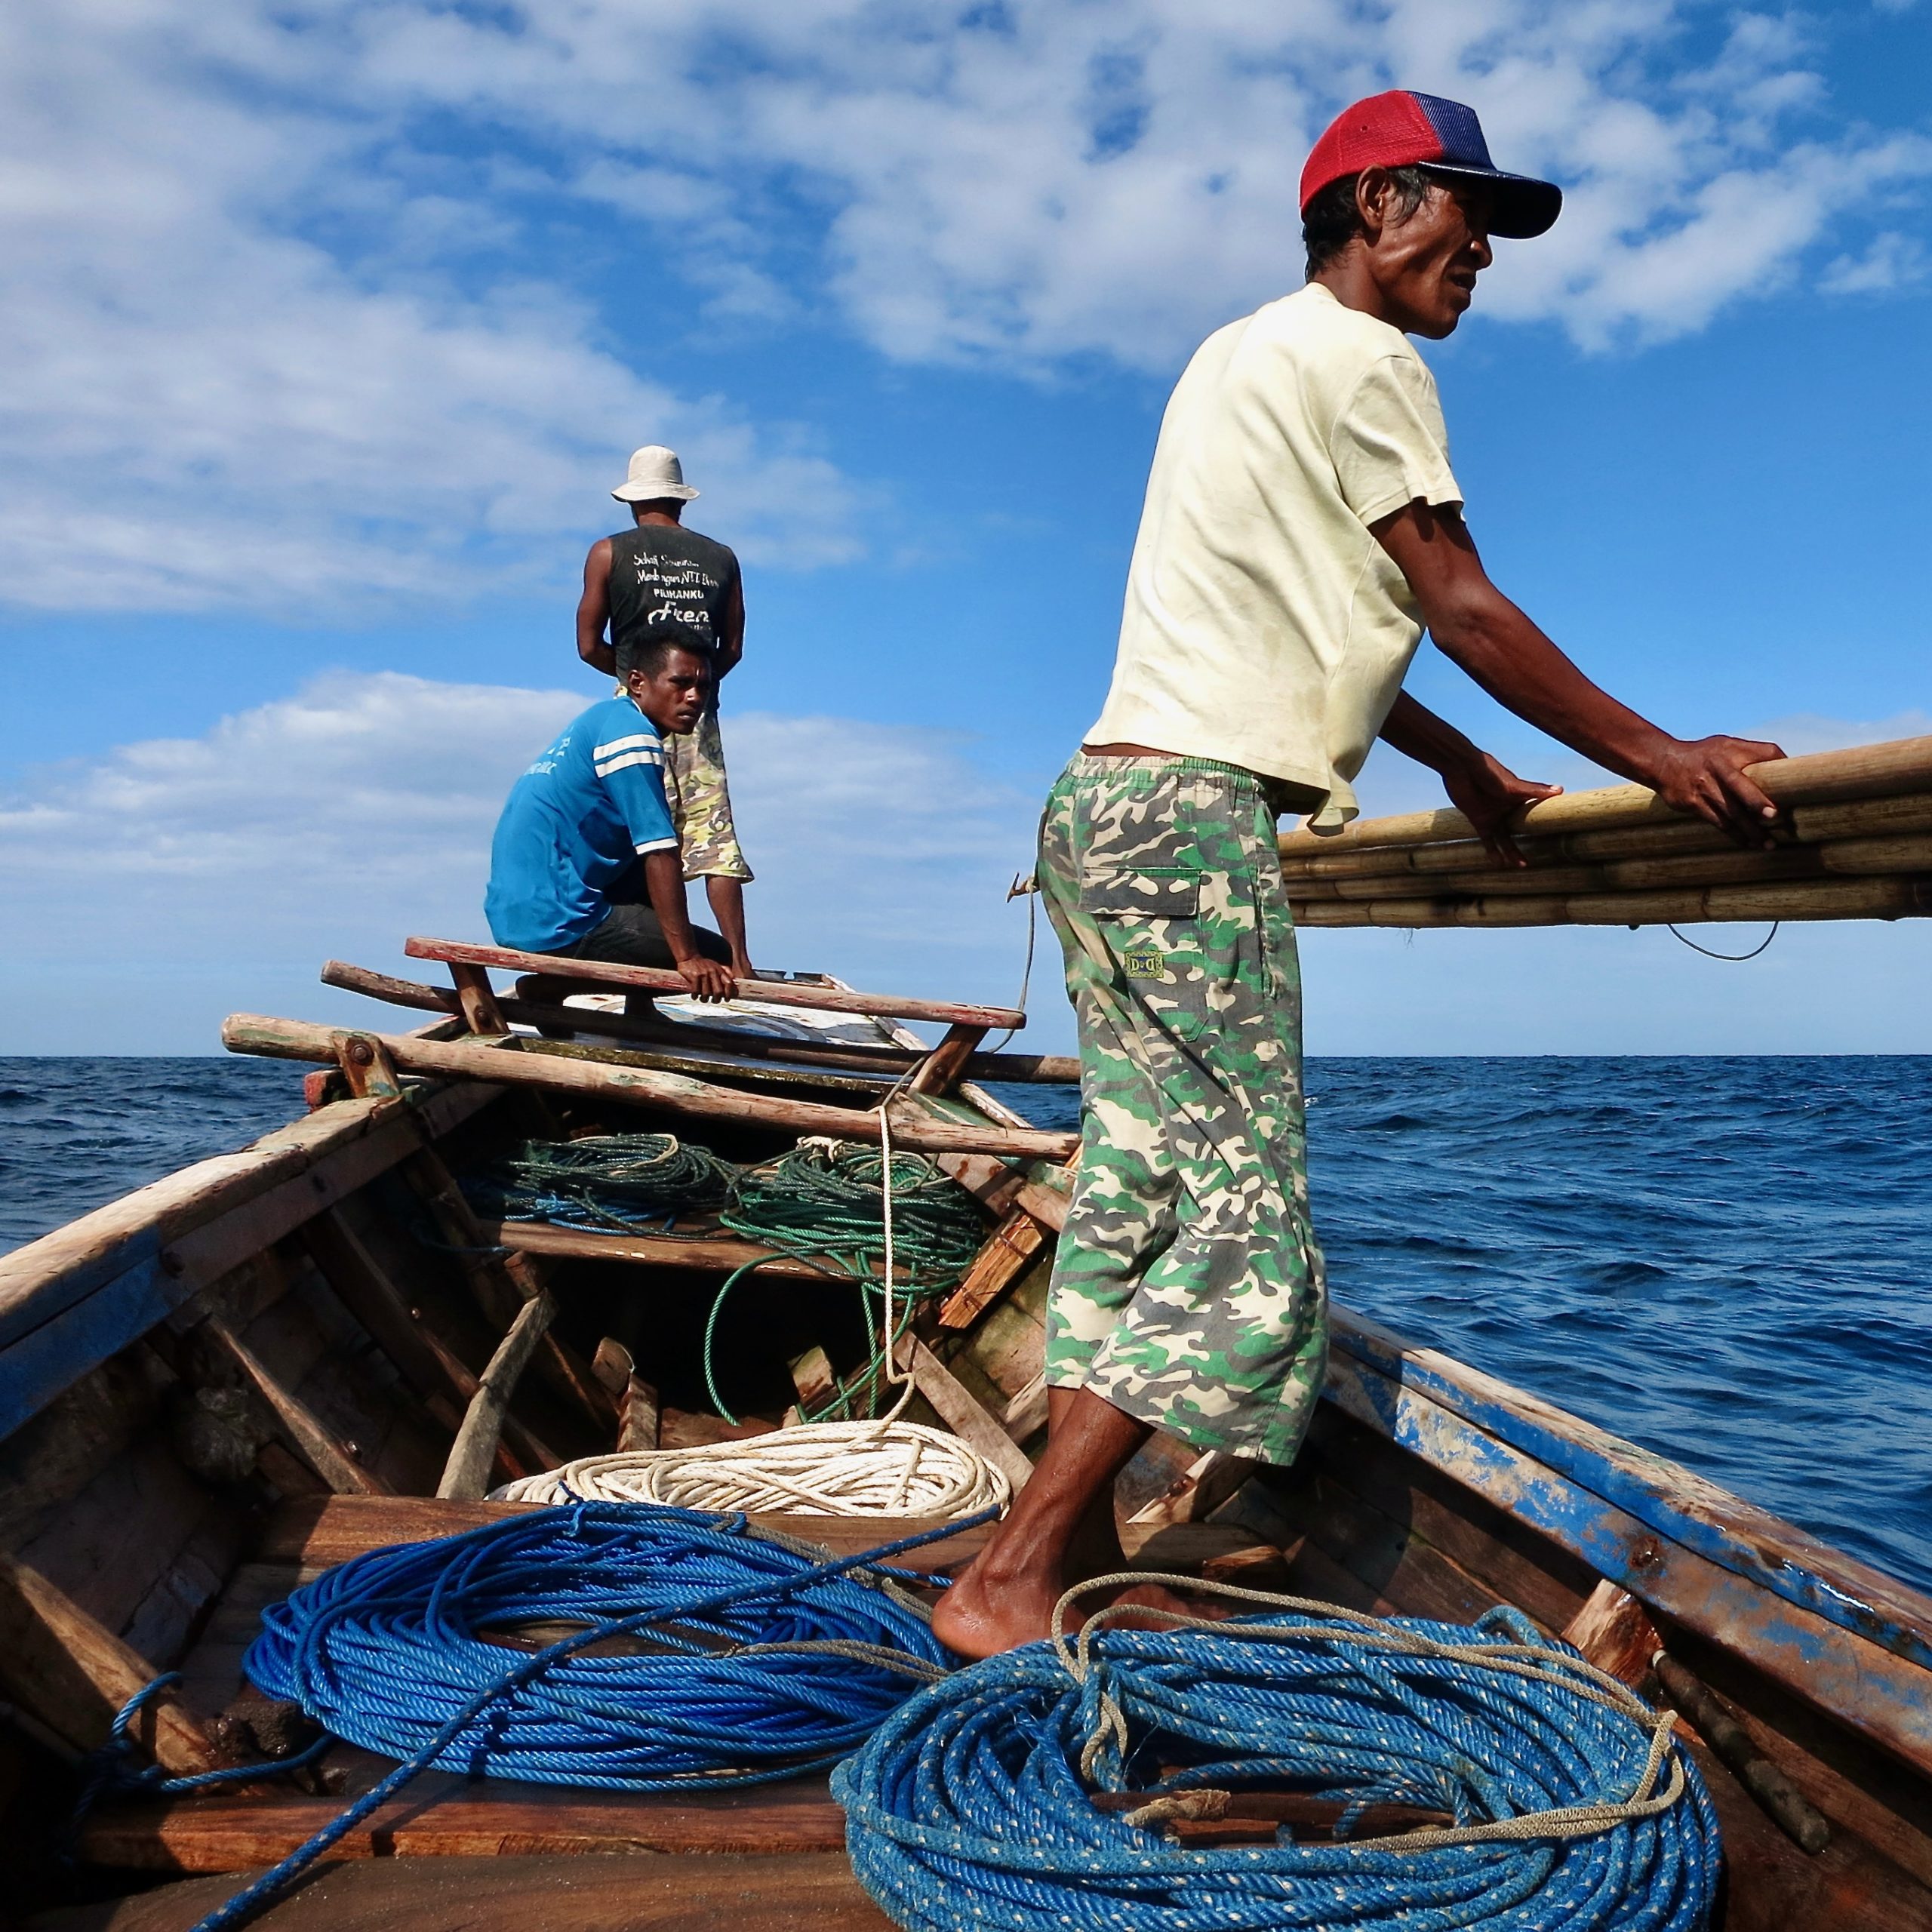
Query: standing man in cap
658	581
1302	526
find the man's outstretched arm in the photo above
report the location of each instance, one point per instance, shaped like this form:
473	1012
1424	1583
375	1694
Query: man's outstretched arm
593	611
1483	789
1479	628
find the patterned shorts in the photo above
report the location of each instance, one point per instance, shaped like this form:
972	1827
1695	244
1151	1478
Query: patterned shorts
700	797
1188	1290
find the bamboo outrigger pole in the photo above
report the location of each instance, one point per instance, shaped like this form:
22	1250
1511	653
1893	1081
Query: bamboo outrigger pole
1855	843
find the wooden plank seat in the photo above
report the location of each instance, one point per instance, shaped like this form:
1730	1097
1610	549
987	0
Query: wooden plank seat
775	992
795	1892
443	1815
684	1045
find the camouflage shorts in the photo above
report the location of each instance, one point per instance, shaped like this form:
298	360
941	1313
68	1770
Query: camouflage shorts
1188	1289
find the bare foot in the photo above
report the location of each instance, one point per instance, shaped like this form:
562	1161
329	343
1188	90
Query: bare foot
982	1616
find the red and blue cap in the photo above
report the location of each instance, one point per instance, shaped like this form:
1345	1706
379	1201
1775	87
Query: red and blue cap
1400	129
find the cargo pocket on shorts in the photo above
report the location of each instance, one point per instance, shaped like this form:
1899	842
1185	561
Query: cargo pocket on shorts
1150	915
1141	893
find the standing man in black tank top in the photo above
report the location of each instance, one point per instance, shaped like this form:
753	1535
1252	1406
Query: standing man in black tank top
659	580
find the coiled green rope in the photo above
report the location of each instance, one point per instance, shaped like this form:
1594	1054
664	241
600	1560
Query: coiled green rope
603	1182
824	1203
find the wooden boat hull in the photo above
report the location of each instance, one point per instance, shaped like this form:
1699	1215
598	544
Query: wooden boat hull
329	1258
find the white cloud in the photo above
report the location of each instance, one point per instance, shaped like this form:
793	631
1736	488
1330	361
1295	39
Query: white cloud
338	821
1893	261
213	399
286	327
1034	179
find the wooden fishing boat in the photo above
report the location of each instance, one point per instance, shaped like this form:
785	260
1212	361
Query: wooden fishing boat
222	1383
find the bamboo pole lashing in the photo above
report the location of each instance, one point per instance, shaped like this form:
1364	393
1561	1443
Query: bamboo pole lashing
1869	771
1887	897
1809	826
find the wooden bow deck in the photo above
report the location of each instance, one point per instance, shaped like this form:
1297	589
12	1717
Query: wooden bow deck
260	1366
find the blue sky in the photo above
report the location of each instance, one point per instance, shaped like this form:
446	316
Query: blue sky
327	328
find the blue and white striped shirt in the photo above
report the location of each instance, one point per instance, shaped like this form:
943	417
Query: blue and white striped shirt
577	824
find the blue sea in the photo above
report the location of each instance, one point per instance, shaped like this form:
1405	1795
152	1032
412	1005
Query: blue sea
1725	1260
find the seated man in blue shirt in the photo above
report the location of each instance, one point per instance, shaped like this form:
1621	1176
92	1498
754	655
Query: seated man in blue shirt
585	862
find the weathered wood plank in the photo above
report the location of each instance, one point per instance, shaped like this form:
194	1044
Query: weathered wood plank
1007	1254
318	1533
477	1000
518	1892
956	1408
946	1066
73	1675
502	1282
688	1039
775	992
80	1294
311	1440
1373	1370
913	1126
1865	1684
433	1369
712	1254
466	1473
1517	1560
443	1817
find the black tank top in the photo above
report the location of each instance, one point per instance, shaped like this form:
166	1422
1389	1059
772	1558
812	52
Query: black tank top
667	582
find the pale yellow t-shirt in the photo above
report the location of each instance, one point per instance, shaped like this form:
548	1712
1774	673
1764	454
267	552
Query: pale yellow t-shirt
1264	625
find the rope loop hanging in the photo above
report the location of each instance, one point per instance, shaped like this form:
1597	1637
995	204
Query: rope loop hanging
1571	1808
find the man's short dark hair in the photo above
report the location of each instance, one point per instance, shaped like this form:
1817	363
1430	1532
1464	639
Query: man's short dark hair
649	655
1332	219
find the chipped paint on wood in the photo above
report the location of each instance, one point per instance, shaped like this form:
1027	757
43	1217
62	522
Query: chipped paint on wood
1887	1696
1663	1495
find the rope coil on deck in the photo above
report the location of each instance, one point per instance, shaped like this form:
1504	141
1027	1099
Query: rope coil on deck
1574	1810
601	1183
761	1661
829	1469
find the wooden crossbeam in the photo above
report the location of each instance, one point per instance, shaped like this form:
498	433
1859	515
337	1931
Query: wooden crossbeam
915	1127
437	1374
307	1432
775	992
685	1039
502	1283
946	1065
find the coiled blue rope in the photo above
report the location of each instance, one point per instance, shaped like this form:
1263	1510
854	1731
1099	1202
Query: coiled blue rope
773	1661
765	1662
971	1807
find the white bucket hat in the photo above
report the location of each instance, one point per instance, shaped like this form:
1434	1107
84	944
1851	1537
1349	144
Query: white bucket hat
655	472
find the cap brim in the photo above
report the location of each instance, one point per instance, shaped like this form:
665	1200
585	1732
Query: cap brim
1525	207
652	493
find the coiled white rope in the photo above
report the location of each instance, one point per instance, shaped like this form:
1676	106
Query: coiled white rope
881	1467
887	1468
